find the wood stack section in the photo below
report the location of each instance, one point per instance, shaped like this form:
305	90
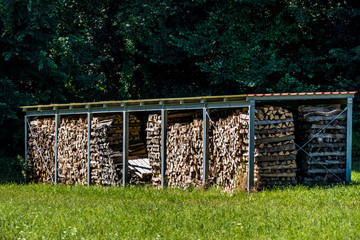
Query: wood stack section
106	150
227	164
228	149
184	154
153	140
105	147
275	150
42	138
326	150
175	166
72	149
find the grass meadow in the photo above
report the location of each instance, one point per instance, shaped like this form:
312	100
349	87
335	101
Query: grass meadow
76	212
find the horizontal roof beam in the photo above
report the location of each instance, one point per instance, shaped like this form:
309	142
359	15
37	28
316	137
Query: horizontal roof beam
298	97
137	108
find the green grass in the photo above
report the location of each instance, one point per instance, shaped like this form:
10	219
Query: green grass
63	212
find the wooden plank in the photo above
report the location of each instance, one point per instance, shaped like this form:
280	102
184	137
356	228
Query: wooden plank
143	163
324	154
273	183
326	162
317	171
270	140
274	158
278	167
327	135
324	118
320	126
323	113
267	122
275	130
277	174
325	145
277	148
312	109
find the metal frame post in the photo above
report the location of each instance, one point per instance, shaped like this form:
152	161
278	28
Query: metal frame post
125	147
163	146
89	117
26	144
57	122
349	139
205	146
251	156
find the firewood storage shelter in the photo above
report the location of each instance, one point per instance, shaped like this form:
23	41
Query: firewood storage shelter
205	104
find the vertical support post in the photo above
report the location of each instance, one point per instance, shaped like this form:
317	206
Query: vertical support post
125	147
163	146
89	117
205	146
26	143
251	145
57	122
349	139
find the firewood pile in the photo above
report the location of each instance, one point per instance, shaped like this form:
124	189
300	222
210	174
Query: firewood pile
105	148
227	149
275	159
42	138
153	138
72	149
184	154
275	150
153	131
326	150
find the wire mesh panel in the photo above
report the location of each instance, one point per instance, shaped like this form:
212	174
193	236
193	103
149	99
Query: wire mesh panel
322	137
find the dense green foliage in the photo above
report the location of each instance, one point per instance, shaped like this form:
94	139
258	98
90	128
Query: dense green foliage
67	50
63	212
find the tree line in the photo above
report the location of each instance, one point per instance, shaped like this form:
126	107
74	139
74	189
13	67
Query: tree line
57	51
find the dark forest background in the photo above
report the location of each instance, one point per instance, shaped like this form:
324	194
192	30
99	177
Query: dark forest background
61	51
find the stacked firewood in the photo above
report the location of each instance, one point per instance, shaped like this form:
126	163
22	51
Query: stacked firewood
226	163
275	160
153	137
105	147
184	154
72	150
324	158
275	151
40	155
